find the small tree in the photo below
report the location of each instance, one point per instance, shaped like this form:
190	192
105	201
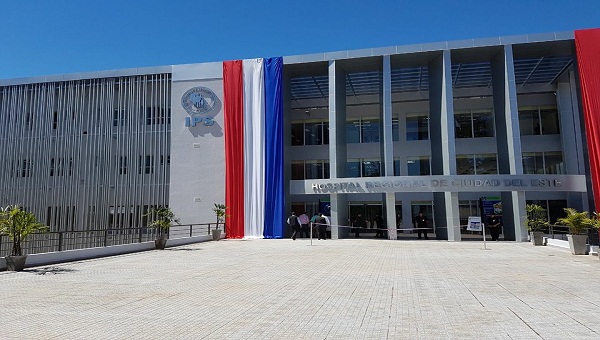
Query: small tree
537	219
220	213
578	222
162	219
18	225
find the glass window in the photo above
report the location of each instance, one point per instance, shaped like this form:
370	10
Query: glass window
553	163
395	130
462	125
528	121
418	166
353	131
543	120
549	117
464	165
297	134
533	163
297	170
314	169
396	167
353	168
417	127
486	164
370	130
483	124
371	168
326	169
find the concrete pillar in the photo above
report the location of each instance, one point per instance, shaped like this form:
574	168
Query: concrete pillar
339	216
443	153
571	137
387	144
337	146
390	214
508	140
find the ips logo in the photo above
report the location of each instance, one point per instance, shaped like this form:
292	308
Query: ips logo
200	103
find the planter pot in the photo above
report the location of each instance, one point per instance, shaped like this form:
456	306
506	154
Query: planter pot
578	244
537	238
160	243
216	234
15	263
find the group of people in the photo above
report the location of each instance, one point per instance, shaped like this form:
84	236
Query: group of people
302	225
319	222
359	223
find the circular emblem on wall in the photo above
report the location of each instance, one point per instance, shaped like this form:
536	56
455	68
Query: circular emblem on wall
199	101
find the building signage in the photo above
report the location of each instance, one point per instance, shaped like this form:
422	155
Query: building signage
201	104
459	183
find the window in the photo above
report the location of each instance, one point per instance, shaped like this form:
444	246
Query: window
26	168
363	168
157	115
473	123
123	165
119	117
146	165
162	160
538	120
554	208
364	130
417	127
483	164
310	133
310	169
395	129
418	166
28	123
549	163
54	120
61	166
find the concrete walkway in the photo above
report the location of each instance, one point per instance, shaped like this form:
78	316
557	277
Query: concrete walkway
284	289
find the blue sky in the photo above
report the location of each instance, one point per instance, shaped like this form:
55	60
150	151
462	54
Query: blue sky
51	37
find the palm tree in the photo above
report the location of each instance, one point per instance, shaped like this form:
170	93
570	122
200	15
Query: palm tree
18	225
219	210
578	222
537	219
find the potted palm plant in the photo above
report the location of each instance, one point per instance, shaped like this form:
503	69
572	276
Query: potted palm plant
578	223
220	213
536	221
18	225
162	219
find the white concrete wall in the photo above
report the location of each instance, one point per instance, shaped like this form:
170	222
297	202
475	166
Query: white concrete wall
197	153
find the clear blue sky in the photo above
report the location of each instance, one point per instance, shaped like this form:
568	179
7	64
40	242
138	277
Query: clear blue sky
42	37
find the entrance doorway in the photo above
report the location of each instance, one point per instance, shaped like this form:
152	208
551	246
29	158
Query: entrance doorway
368	210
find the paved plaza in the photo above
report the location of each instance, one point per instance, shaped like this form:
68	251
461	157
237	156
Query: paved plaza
284	289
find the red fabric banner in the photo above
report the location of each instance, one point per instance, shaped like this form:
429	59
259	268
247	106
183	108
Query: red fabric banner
587	44
233	106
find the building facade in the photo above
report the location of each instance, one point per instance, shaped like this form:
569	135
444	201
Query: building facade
438	128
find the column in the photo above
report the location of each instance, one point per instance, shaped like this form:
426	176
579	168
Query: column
443	153
571	137
337	146
508	140
387	145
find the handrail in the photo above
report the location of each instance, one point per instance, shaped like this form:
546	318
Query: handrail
79	239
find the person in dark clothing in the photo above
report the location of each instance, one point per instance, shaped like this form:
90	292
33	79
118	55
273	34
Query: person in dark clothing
294	224
359	223
378	220
493	223
420	222
322	226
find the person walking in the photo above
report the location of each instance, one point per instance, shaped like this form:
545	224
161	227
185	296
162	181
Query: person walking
420	222
304	221
292	221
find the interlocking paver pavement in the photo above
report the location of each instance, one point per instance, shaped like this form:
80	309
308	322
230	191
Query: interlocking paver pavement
284	289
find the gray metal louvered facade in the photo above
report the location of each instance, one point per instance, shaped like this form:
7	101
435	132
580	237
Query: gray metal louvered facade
86	154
